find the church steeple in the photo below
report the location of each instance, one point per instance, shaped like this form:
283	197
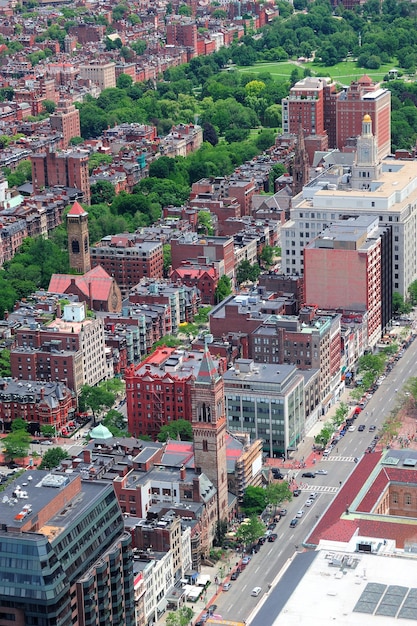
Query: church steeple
78	243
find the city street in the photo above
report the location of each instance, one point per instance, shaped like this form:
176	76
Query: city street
264	567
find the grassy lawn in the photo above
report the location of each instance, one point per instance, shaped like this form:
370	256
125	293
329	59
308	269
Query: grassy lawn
343	72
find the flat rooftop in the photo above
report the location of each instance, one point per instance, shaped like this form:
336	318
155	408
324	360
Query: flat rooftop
332	587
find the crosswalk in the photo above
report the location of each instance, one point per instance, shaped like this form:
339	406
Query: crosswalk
318	488
349	459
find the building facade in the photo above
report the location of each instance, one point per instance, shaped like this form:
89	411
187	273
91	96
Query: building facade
268	402
65	558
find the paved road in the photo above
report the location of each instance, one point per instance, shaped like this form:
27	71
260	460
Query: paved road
237	603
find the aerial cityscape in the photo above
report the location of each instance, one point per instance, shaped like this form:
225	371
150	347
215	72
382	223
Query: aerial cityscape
208	307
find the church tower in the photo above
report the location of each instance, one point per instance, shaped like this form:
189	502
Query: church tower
209	429
78	244
367	166
301	168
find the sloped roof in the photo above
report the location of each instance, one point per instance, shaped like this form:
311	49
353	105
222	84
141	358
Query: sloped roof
207	372
77	209
97	278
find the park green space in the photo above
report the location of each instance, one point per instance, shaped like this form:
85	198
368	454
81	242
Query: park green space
343	72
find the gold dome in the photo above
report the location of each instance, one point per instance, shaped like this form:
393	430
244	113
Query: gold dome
367	118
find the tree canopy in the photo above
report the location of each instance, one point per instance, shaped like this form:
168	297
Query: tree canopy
177	429
52	458
254	500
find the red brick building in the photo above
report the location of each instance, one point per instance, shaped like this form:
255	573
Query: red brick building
204	278
215	250
66	120
128	258
364	97
67	169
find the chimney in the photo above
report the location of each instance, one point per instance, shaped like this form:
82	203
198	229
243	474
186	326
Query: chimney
42	393
87	456
183	472
58	310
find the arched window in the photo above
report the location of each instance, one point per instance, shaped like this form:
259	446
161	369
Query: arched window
407	498
75	246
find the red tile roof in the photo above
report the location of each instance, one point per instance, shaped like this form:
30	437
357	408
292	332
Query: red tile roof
334	527
96	279
77	209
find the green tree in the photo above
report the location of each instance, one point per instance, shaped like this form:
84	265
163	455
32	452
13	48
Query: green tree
267	256
185	10
115	422
254	500
176	429
76	141
277	170
49	106
124	81
210	134
265	139
205	223
411	388
276	493
96	399
97	159
412	290
341	414
247	272
20	175
180	617
250	532
16	445
19	424
223	289
47	430
52	458
166	249
399	306
102	192
5	364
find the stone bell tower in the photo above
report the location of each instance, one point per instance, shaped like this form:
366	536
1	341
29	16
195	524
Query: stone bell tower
78	244
209	429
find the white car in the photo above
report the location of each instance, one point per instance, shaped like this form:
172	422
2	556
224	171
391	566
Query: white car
351	428
256	591
299	514
309	502
322	472
313	496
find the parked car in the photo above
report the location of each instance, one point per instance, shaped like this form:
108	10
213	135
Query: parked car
235	575
272	537
245	560
227	586
261	541
352	428
35	441
321	472
256	591
47	442
361	427
296	493
212	608
308	475
271	526
283	512
293	522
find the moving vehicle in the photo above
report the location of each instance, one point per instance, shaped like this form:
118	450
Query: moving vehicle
296	493
293	522
372	428
256	591
361	427
309	502
352	428
308	475
321	472
299	513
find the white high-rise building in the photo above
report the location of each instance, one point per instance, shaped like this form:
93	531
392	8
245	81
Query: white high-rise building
386	189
